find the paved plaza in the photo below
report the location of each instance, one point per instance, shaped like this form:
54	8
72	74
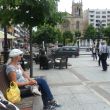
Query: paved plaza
83	86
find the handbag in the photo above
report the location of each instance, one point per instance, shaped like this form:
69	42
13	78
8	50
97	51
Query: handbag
13	93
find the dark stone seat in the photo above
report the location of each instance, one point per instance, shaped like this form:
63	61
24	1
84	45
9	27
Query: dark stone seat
60	62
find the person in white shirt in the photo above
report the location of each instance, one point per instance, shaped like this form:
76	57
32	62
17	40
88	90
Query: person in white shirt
103	50
94	53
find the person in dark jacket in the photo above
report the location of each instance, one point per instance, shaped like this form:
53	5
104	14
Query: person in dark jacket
43	60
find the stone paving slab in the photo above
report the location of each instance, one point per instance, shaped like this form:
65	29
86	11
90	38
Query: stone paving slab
96	75
83	86
78	98
89	69
57	76
106	87
73	89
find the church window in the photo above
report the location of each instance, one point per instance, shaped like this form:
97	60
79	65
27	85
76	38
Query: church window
77	12
77	25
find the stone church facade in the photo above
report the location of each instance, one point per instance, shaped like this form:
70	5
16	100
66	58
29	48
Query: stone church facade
76	22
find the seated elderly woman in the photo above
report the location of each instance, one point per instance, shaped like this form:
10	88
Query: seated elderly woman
16	73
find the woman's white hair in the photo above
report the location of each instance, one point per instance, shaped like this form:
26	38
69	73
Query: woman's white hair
13	53
8	61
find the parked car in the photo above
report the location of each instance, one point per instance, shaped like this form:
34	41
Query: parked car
67	51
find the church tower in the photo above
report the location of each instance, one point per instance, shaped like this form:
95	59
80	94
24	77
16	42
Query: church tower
77	11
77	14
74	21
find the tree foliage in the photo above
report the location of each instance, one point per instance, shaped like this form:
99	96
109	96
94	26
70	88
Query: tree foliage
90	33
48	34
27	12
107	33
67	37
77	34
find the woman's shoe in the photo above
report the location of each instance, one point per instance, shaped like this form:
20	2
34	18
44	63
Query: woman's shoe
54	103
49	107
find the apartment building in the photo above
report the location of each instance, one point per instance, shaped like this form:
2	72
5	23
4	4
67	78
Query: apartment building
98	17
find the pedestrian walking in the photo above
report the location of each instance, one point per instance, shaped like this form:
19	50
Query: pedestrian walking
99	56
104	52
94	52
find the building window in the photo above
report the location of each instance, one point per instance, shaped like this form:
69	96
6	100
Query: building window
108	20
77	25
97	20
108	11
103	24
91	20
97	24
103	20
108	16
103	16
97	12
103	12
78	12
97	16
91	11
91	16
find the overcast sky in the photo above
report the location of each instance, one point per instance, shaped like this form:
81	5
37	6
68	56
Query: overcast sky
65	5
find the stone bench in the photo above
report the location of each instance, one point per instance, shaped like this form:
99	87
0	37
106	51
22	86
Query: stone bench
60	62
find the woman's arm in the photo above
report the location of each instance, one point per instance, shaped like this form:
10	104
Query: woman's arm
12	77
26	75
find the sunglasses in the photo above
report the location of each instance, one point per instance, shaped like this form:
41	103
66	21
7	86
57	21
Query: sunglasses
21	55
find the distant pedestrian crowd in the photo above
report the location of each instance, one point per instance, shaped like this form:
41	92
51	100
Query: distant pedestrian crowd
102	52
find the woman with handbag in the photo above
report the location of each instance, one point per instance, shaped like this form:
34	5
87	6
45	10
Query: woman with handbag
15	73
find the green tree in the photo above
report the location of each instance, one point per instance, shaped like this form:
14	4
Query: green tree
90	33
77	36
46	33
67	37
107	34
28	13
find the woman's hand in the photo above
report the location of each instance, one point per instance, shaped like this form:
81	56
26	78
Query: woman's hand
32	82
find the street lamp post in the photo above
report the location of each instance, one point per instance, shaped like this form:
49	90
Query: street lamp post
5	51
99	32
31	60
5	43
